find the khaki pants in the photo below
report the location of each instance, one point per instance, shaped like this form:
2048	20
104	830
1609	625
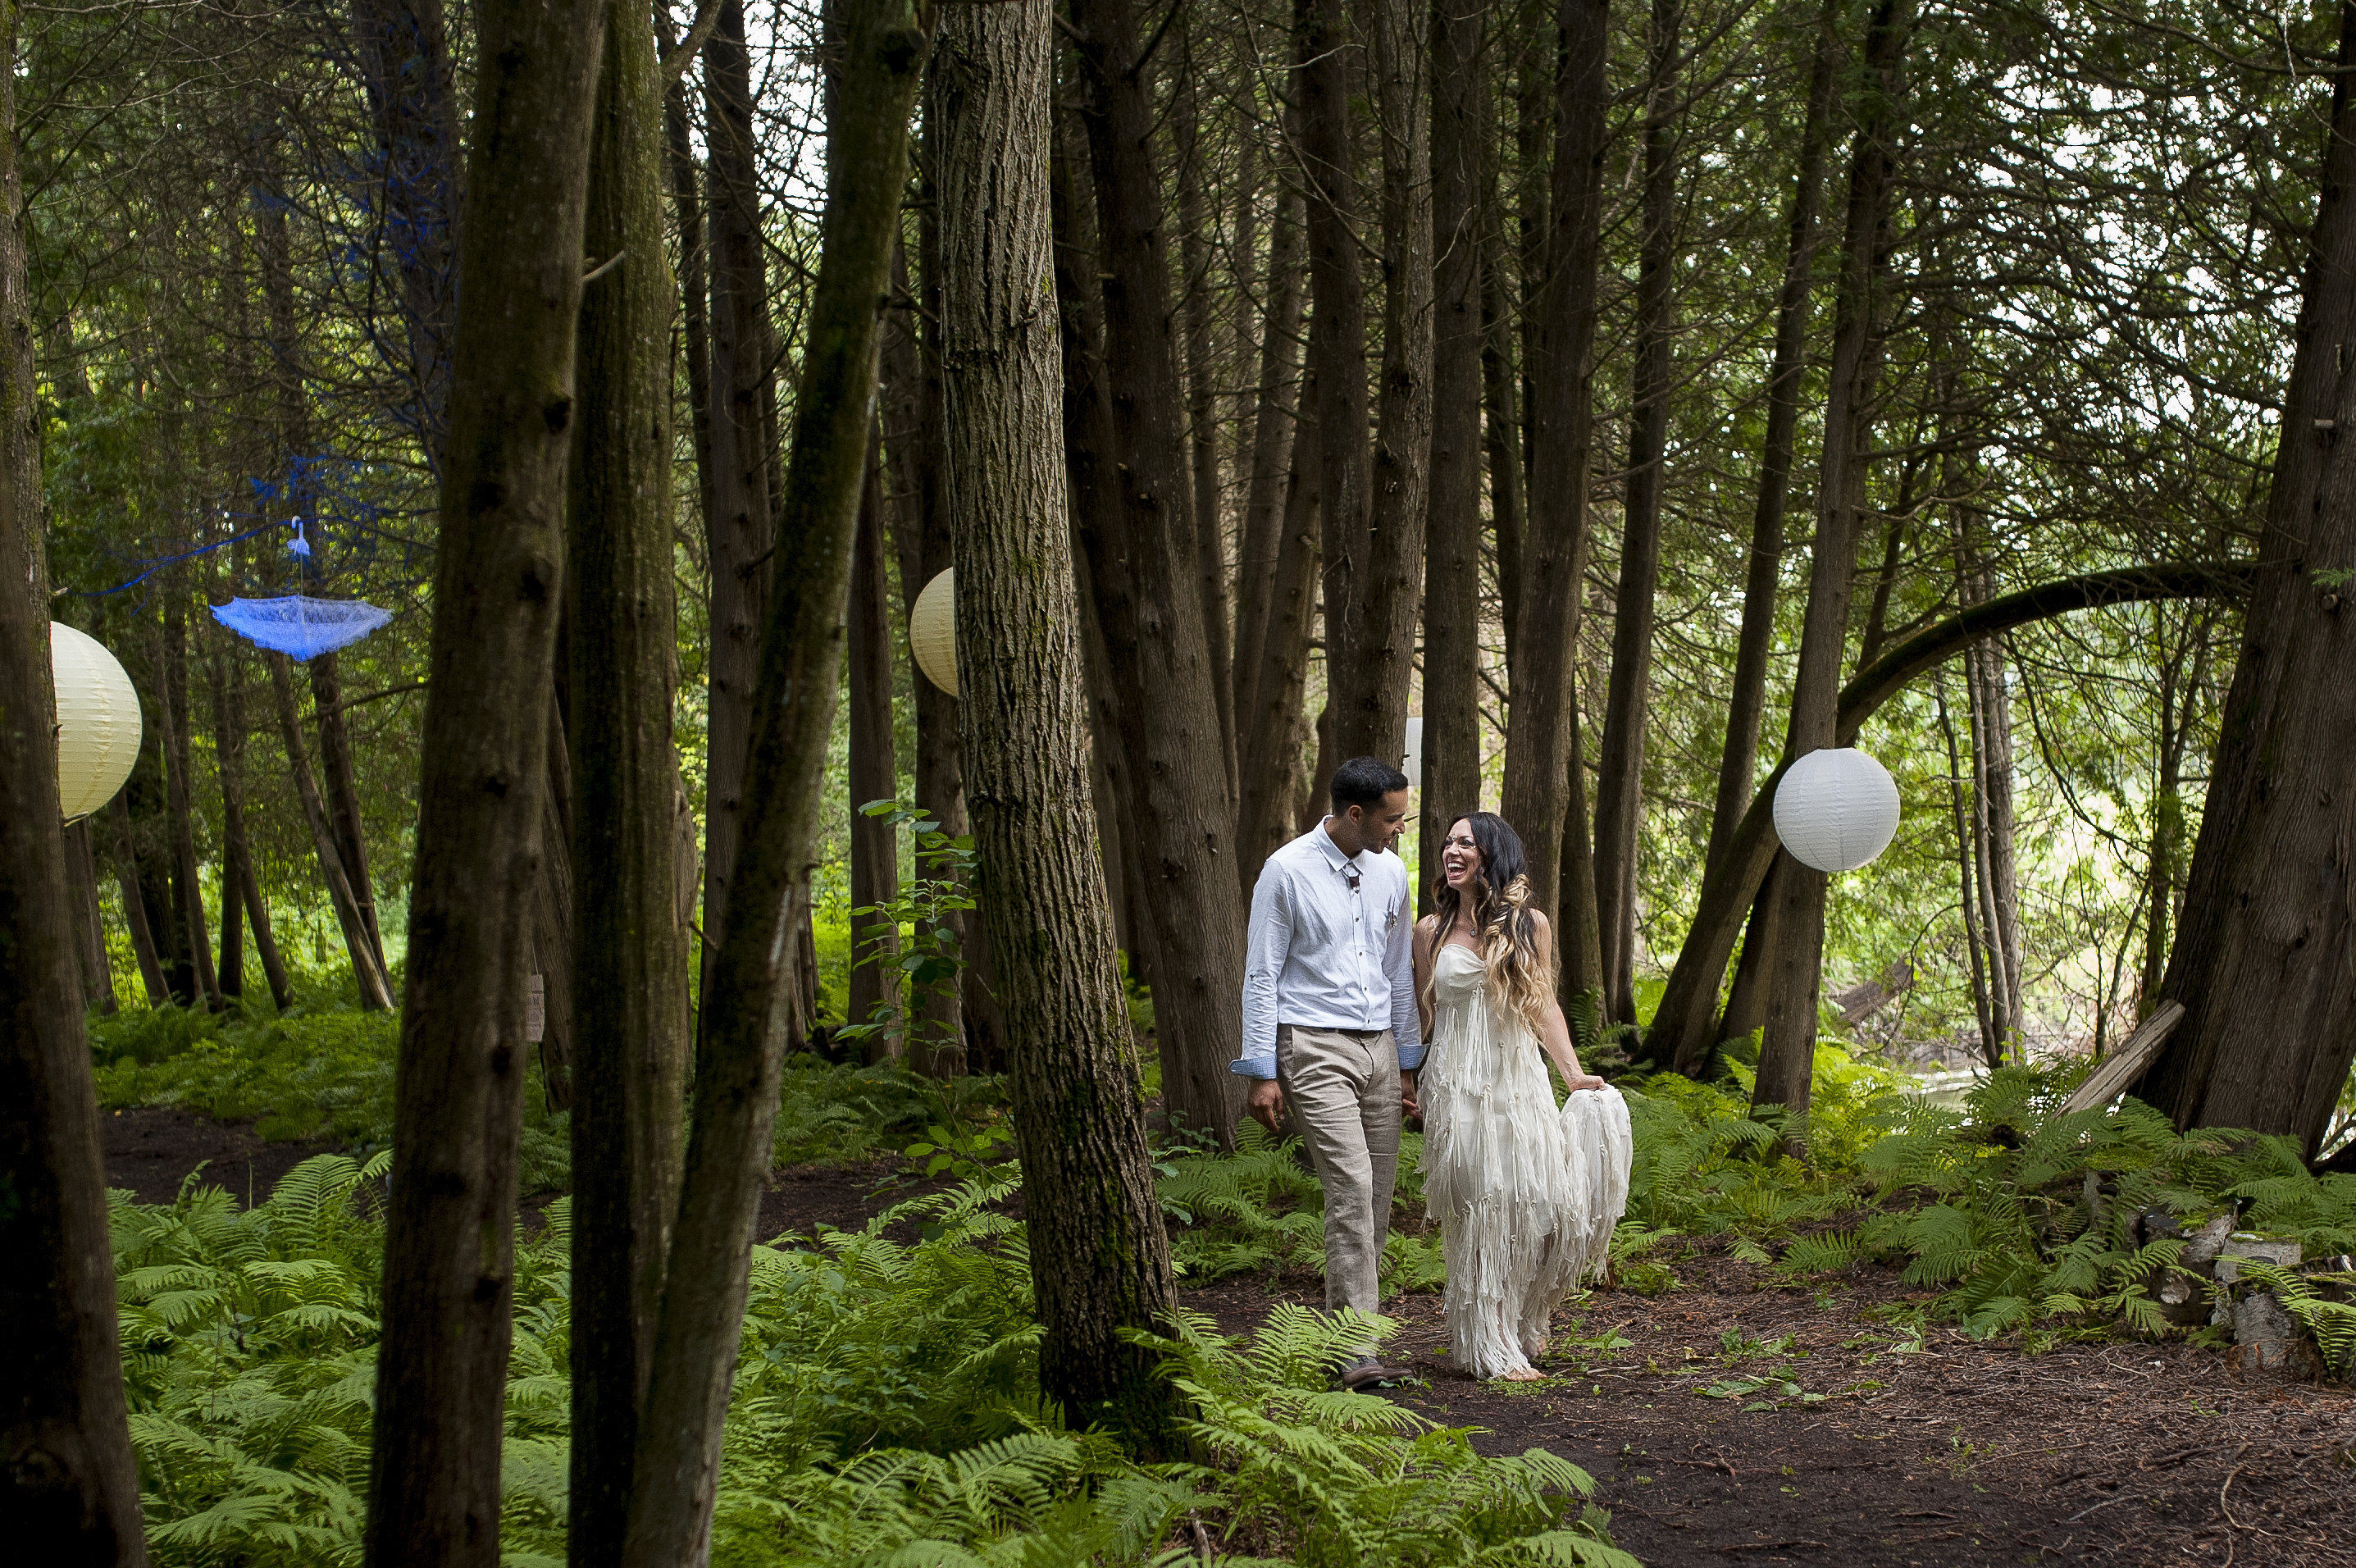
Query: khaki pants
1342	1087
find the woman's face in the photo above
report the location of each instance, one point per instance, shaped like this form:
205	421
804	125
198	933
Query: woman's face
1459	856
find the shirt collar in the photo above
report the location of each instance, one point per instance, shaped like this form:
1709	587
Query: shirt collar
1334	855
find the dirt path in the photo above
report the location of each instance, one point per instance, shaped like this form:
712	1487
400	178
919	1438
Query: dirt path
151	1150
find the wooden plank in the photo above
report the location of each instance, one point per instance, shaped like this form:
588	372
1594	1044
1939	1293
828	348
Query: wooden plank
2126	1064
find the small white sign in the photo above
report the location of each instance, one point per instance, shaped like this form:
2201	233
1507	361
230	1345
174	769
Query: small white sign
535	1009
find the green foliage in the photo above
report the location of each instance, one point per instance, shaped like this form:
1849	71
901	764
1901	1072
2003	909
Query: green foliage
1259	1209
840	1113
927	951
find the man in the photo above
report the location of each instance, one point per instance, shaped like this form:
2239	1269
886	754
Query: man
1330	1024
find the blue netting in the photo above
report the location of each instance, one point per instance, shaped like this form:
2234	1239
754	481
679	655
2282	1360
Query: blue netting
299	625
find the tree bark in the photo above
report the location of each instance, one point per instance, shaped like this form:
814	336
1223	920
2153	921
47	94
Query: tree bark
740	531
2263	952
627	968
1153	617
1451	584
695	273
1755	643
874	776
1203	370
172	718
402	51
1099	1258
449	1282
876	59
90	926
375	996
1541	752
135	905
341	783
1620	767
237	849
1996	873
69	1482
1788	1049
1681	1026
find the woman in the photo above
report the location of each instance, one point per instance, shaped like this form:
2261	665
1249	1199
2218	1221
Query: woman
1525	1196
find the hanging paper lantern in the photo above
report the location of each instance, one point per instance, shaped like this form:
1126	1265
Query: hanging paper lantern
932	631
98	721
1836	809
1411	763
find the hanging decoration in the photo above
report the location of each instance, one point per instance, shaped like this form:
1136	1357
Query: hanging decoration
98	721
932	631
1836	809
1411	760
299	626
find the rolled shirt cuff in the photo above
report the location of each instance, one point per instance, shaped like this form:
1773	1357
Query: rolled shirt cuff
1411	1057
1262	1066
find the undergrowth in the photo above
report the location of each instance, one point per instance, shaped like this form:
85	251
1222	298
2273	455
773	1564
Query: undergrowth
886	1409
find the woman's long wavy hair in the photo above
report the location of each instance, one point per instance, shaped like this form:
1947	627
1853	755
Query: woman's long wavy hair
1520	980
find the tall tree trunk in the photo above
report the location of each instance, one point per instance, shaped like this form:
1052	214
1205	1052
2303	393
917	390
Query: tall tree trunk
1451	590
2180	702
1153	612
375	996
69	1483
90	923
1992	839
148	795
1788	1051
552	937
1502	433
434	1496
340	779
874	776
173	717
1203	372
1100	1259
876	59
740	524
628	965
134	904
237	849
1619	769
694	272
1276	595
1968	871
1764	573
2268	924
1544	792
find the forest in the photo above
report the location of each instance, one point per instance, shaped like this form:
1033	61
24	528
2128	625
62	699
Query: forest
648	659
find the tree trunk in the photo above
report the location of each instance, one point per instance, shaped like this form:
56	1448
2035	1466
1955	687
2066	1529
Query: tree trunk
401	49
1968	883
69	1482
1788	1050
628	965
237	851
2179	702
1755	643
695	273
341	782
874	776
1502	437
172	721
1100	1259
739	527
1153	616
1203	370
229	972
1451	584
135	905
90	926
2262	961
1996	873
374	995
553	936
434	1496
1619	771
876	59
1541	750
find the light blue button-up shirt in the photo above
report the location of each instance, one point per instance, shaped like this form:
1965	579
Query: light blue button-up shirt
1325	956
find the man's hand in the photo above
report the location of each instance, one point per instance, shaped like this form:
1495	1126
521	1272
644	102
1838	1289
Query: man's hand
1409	1104
1266	1103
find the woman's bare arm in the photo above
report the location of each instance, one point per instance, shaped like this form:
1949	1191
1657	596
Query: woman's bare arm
1556	1034
1425	931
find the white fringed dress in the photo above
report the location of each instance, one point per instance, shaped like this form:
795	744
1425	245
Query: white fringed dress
1525	1196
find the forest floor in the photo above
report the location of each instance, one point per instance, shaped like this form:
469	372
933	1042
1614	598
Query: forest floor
1736	1421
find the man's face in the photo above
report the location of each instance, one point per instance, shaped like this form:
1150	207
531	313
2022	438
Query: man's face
1379	826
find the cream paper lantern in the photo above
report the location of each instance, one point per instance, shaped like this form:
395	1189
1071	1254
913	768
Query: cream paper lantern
98	721
1836	809
932	631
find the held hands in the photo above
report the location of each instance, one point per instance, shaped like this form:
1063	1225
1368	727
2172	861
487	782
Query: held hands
1409	1104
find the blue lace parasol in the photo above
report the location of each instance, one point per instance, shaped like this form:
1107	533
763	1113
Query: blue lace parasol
301	626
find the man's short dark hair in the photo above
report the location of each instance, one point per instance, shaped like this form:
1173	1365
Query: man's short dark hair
1364	781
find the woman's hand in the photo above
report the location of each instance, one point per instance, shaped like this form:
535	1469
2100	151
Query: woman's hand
1574	1082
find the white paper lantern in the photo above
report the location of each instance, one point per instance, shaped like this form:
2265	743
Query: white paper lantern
98	721
1412	764
932	631
1836	809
